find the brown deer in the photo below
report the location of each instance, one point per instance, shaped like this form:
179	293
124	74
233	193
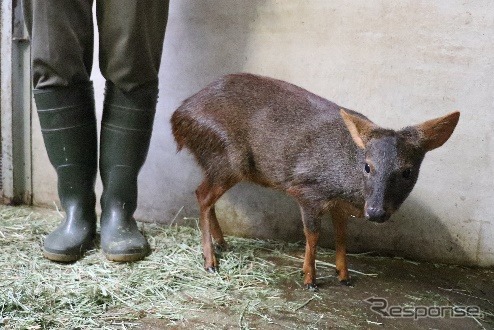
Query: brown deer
245	127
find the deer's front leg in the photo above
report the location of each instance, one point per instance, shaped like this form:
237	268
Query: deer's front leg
340	217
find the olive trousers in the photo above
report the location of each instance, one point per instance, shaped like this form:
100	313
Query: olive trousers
131	34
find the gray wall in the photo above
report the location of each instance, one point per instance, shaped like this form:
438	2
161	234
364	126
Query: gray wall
399	63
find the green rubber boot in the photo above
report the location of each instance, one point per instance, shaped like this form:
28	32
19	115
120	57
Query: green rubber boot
125	135
68	125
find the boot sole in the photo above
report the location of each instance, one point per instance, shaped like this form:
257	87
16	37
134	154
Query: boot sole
126	257
63	256
60	257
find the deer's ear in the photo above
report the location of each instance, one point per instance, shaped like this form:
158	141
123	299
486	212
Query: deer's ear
435	132
360	128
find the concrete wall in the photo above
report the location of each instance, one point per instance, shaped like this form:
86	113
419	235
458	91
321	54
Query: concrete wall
399	63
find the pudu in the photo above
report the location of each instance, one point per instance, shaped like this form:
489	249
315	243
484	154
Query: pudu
245	127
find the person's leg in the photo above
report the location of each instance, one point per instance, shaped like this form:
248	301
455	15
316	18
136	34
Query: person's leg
131	40
62	41
68	124
62	49
131	35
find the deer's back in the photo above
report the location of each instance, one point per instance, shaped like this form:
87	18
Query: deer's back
264	130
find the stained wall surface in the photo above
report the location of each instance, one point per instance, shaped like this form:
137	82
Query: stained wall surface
399	63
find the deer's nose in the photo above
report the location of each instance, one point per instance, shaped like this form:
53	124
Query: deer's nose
376	214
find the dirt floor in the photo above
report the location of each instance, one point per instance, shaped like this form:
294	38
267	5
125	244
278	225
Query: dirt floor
401	282
259	287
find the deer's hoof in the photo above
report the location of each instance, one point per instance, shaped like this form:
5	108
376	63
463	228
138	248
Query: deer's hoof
346	283
312	287
211	270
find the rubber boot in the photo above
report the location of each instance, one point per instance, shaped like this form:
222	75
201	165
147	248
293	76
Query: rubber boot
68	125
125	135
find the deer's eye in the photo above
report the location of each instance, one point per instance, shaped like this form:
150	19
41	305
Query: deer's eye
367	168
407	173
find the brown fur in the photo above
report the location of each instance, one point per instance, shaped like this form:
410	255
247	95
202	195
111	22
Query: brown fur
245	127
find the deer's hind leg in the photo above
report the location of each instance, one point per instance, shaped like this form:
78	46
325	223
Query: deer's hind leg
216	232
207	194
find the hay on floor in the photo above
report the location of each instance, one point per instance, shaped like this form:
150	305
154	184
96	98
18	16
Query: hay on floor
170	284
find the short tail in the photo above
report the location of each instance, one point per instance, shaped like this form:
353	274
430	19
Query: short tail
177	122
196	131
